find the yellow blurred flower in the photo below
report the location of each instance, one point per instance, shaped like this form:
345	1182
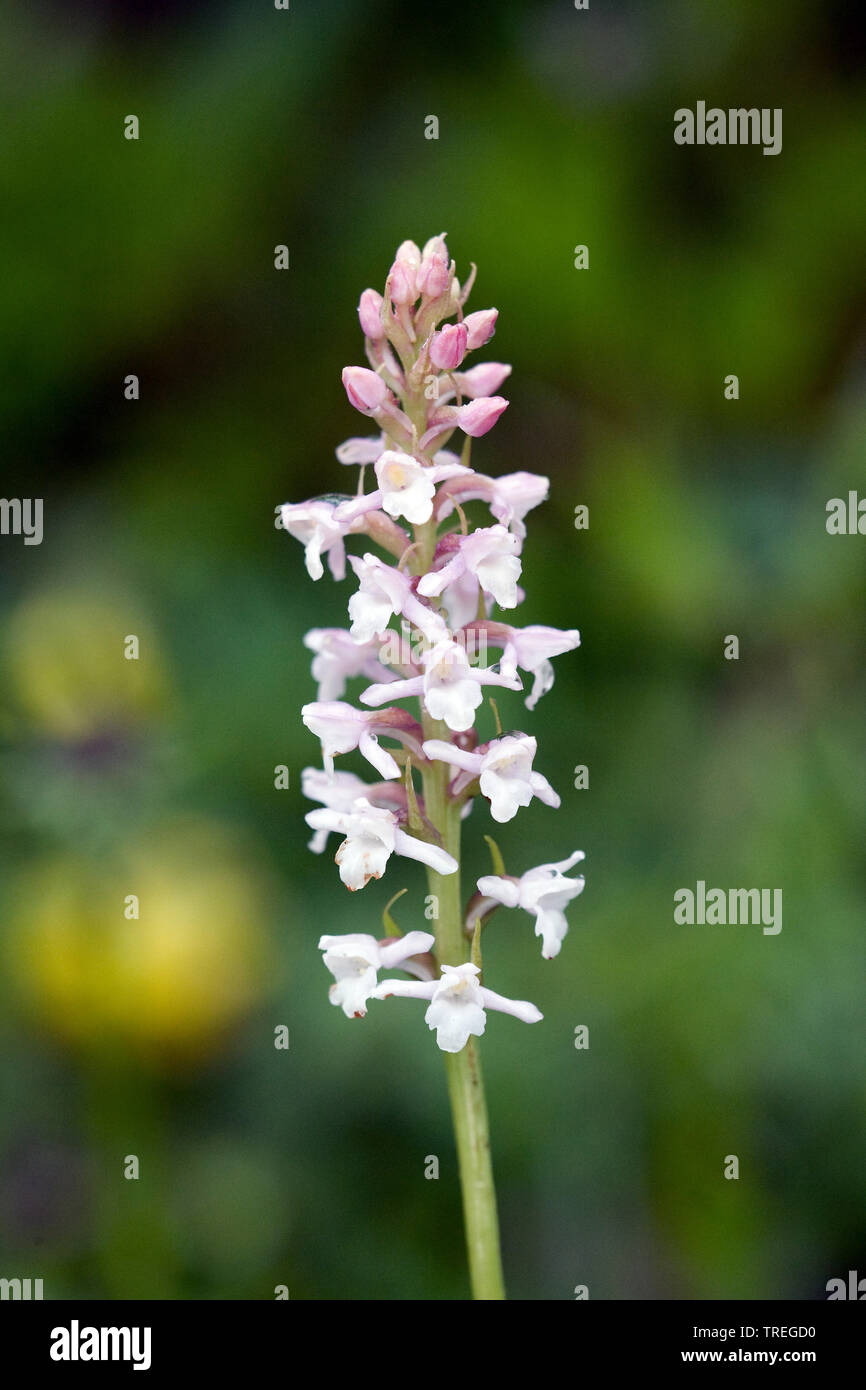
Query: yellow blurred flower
65	652
171	981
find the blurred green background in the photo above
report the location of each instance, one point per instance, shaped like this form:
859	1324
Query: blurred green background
155	1037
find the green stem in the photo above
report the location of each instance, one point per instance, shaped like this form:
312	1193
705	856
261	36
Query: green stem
465	1085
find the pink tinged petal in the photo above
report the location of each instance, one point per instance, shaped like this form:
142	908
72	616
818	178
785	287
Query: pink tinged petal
448	347
483	380
337	560
316	526
336	725
517	494
486	676
498	577
431	855
542	682
518	1008
504	890
392	690
370	315
480	327
537	643
366	390
431	624
433	583
447	457
414	943
355	507
440	751
460	599
476	418
360	449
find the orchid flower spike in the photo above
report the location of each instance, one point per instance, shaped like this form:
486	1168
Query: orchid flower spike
457	1004
354	960
545	892
420	615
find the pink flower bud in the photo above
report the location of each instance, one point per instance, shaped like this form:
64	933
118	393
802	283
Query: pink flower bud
483	380
365	389
370	315
402	285
479	416
436	246
434	277
480	327
448	347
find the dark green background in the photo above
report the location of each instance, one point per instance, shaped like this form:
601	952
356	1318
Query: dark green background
305	1167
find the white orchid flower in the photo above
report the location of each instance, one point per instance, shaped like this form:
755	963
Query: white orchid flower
339	791
315	525
406	488
450	687
544	892
383	593
354	960
457	1004
491	554
504	769
341	728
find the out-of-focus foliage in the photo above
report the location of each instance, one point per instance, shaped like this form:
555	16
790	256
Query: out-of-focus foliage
155	1036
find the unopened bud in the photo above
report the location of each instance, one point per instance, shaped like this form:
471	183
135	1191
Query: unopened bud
480	327
483	380
434	277
365	389
448	347
370	315
479	416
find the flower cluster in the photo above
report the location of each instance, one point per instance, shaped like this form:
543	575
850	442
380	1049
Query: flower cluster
441	581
